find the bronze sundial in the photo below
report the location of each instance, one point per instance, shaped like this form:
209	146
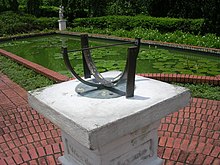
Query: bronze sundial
99	86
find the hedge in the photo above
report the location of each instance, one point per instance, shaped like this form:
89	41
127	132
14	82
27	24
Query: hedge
45	11
13	23
130	22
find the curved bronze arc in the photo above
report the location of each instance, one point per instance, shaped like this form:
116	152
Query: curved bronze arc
88	61
115	81
102	82
99	77
94	70
69	66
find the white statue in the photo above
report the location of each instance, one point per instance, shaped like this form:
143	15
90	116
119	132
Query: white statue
62	21
61	11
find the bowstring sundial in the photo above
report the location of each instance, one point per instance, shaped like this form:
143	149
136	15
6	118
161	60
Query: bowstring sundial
94	84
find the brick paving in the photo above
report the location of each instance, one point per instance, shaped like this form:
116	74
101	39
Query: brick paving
189	136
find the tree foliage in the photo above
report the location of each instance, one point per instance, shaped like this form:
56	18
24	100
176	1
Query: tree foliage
207	9
9	5
33	7
212	16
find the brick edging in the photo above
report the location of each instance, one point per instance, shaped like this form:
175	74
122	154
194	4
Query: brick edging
183	78
55	76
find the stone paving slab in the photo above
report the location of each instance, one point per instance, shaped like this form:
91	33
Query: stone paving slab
189	136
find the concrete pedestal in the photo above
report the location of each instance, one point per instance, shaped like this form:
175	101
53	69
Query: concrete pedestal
62	25
116	131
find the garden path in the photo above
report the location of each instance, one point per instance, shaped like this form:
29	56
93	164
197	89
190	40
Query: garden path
189	136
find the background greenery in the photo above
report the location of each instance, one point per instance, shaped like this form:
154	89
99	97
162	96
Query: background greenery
206	9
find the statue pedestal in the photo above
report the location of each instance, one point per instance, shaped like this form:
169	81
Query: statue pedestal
62	25
116	131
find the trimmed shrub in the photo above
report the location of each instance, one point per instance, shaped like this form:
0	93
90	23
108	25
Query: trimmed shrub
44	11
131	22
49	11
45	23
12	23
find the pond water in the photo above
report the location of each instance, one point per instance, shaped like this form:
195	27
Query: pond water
46	51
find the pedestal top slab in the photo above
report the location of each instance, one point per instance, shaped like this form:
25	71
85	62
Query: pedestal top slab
95	122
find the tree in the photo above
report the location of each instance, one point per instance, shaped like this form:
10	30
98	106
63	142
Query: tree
2	6
75	8
33	7
127	7
9	5
97	7
186	9
158	8
51	2
212	16
14	5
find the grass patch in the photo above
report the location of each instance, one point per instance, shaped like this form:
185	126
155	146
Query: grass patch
203	90
23	76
